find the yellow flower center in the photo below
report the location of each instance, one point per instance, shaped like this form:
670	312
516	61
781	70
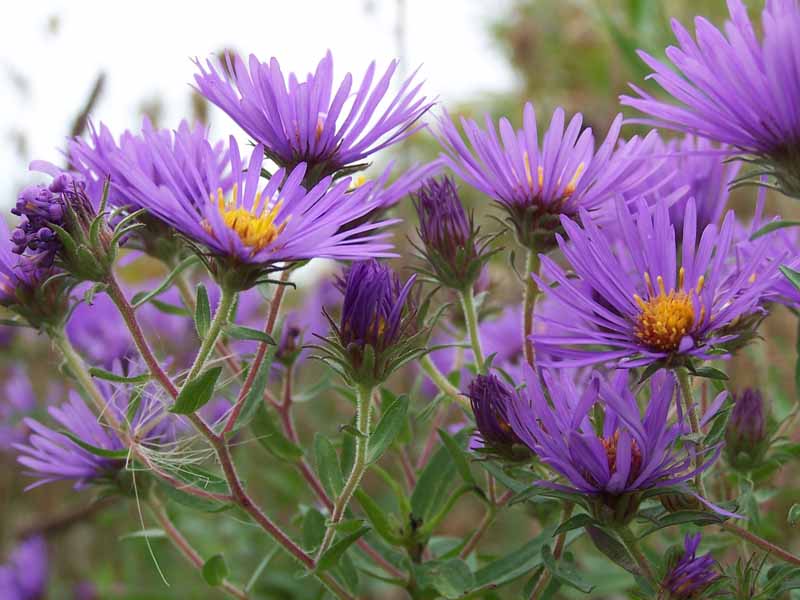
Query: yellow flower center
568	191
255	227
666	317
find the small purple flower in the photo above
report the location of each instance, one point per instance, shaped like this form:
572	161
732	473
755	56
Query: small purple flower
24	575
377	331
632	303
731	87
692	574
255	224
304	121
453	253
537	184
11	277
491	400
628	454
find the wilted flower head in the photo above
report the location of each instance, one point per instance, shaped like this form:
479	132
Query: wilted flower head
303	121
24	575
256	225
91	452
451	248
746	438
632	303
613	460
691	575
491	400
535	185
734	88
377	332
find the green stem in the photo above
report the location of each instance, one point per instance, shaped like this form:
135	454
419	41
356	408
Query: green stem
218	323
78	370
632	544
363	421
471	319
544	578
688	402
532	265
442	382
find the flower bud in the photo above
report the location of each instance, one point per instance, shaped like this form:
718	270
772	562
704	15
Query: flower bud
689	575
746	435
452	249
377	331
490	399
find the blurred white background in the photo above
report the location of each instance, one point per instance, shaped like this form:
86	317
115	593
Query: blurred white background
52	53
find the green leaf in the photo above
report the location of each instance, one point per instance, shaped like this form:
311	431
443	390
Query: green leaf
330	558
770	227
709	373
390	425
575	522
271	438
313	529
458	455
378	518
215	570
564	572
197	392
105	453
255	396
202	312
237	332
794	515
431	489
170	309
792	275
613	549
328	465
452	578
109	376
144	297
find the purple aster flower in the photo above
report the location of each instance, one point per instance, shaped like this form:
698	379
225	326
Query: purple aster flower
623	455
256	225
453	252
52	456
491	400
692	574
746	438
632	303
11	277
690	167
377	332
298	121
534	184
734	88
24	575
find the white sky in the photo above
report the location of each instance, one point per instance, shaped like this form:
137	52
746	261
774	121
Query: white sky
145	49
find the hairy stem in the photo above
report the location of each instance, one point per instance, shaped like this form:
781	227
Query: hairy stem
363	418
185	548
218	323
544	578
632	544
269	325
529	304
471	319
442	382
688	402
760	542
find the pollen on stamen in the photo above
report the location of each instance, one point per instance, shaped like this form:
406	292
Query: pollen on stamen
665	317
257	227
